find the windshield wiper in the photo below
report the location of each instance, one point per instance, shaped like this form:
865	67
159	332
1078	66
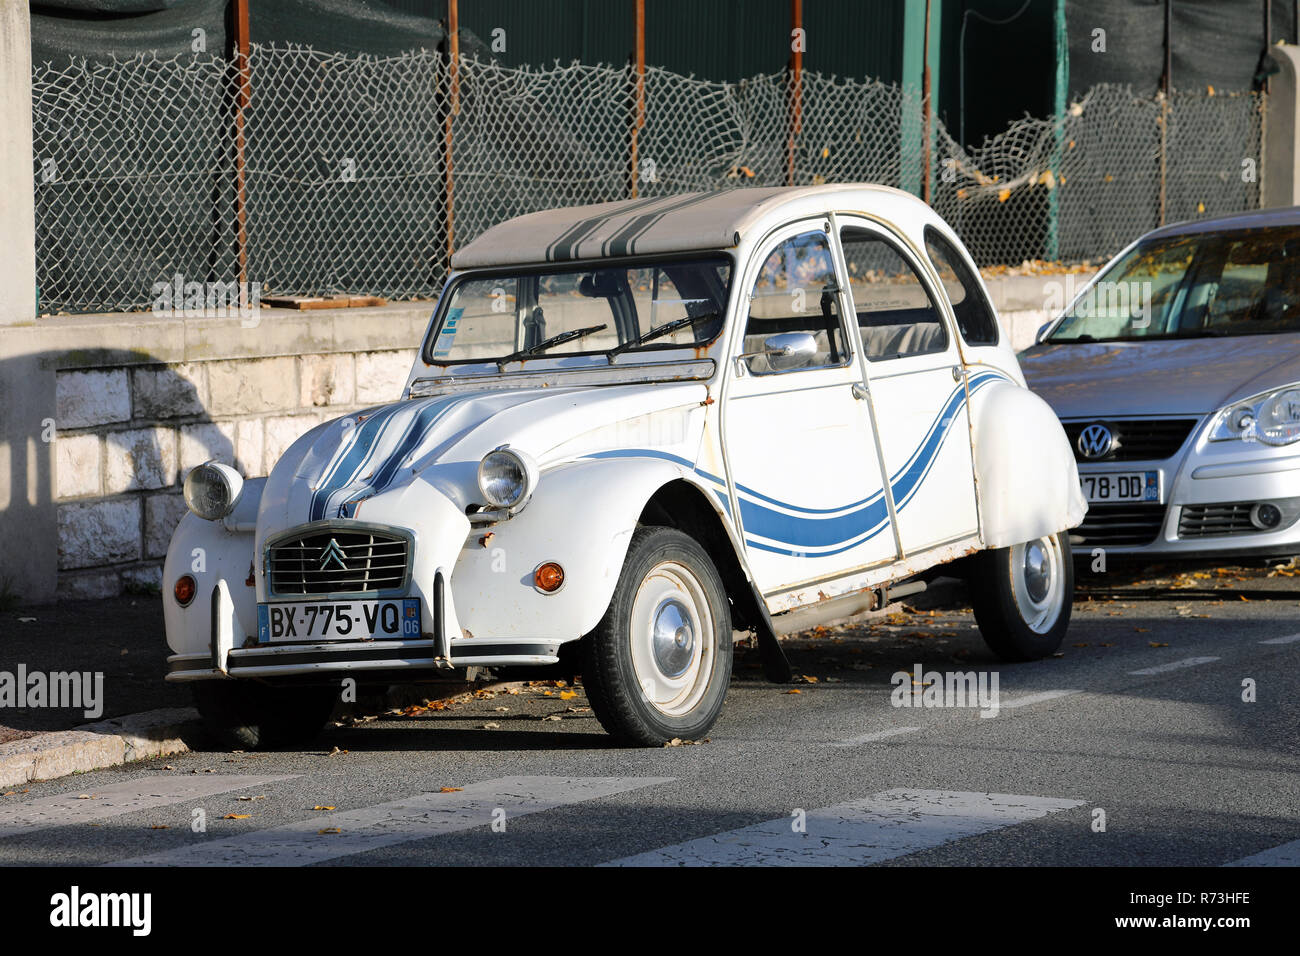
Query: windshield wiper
657	332
545	344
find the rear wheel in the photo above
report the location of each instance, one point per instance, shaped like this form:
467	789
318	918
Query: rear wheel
1022	596
658	664
244	715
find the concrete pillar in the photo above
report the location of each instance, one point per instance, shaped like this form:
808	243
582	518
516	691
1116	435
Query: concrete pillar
17	209
1281	160
28	526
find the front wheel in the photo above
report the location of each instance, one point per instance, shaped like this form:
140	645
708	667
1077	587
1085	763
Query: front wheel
1022	597
244	715
658	664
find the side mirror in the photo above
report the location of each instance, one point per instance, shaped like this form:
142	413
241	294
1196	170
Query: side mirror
787	351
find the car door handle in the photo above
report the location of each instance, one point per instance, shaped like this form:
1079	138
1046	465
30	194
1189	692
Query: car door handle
859	391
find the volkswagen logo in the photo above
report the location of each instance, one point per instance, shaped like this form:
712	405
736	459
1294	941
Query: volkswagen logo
1095	441
333	553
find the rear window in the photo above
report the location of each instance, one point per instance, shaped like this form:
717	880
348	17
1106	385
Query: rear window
975	319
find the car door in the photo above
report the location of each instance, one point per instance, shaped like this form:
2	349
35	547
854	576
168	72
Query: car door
918	387
804	471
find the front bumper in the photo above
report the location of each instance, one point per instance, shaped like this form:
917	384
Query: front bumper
232	653
1200	485
406	660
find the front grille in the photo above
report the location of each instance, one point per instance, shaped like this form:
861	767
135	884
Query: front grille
1118	525
1197	521
330	560
1136	439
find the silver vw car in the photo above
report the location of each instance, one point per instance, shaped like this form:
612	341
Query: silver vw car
1176	373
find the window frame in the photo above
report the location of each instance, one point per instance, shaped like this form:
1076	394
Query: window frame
978	289
818	225
439	317
937	298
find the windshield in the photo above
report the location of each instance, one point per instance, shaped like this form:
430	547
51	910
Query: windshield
1245	282
581	310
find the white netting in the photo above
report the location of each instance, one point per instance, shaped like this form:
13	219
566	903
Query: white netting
346	177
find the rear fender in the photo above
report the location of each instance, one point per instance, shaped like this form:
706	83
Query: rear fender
1028	483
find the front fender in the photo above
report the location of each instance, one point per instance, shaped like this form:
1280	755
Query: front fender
1027	480
212	551
582	516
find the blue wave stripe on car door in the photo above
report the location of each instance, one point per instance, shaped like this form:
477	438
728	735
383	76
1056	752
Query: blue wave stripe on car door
817	532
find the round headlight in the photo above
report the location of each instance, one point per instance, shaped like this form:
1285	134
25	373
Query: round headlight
505	477
212	490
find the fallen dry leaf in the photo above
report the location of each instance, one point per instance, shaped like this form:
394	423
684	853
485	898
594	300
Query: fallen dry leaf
322	807
236	816
329	830
450	789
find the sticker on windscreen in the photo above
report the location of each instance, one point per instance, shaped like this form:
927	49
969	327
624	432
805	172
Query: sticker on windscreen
442	347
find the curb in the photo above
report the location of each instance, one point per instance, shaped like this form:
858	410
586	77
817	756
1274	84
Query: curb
106	743
156	733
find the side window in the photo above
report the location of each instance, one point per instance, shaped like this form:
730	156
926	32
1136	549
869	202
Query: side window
895	313
975	319
796	291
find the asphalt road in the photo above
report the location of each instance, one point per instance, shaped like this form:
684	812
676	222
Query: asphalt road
1139	724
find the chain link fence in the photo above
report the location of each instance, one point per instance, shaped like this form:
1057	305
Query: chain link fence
359	174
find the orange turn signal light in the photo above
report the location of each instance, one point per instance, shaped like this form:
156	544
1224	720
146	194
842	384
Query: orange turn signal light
548	577
183	590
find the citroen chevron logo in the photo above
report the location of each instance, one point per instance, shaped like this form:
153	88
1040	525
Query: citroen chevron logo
333	553
1095	441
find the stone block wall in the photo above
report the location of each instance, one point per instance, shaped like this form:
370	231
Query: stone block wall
127	436
103	416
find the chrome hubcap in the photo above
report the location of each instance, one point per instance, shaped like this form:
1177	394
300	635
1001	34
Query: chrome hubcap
1038	572
673	639
1038	582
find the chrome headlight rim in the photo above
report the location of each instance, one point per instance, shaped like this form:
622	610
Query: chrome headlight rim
212	490
493	463
1241	420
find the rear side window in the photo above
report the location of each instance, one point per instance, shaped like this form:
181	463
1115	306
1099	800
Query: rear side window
975	317
896	316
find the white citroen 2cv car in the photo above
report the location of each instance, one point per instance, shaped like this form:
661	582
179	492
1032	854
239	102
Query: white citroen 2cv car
631	428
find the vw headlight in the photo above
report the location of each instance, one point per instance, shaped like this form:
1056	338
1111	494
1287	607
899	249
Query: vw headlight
1272	418
212	490
506	478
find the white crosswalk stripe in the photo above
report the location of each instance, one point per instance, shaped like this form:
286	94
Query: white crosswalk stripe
399	821
87	806
882	827
1287	854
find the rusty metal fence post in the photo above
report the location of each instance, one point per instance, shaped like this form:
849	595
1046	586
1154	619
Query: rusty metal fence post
243	90
638	101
